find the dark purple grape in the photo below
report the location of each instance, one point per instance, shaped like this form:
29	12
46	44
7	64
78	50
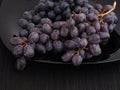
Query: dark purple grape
107	8
90	30
51	15
27	15
70	44
104	35
46	20
77	60
77	9
81	27
43	38
46	28
23	33
81	2
29	51
40	48
95	49
36	19
111	28
80	18
108	18
82	53
49	4
71	22
49	46
16	41
84	35
89	55
104	27
83	42
57	10
74	31
95	39
40	7
92	17
64	31
97	25
66	11
42	14
55	34
58	18
99	7
23	23
67	16
38	30
95	13
64	5
58	24
30	26
21	64
33	37
84	10
18	50
67	56
58	46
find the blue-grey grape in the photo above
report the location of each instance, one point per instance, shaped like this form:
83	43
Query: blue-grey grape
33	37
49	46
55	34
77	60
58	46
43	38
18	50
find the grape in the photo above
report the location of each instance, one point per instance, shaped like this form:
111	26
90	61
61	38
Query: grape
111	28
64	31
77	41
70	44
23	33
82	53
67	56
89	55
23	23
84	35
95	39
94	12
40	48
81	18
104	27
27	15
81	27
64	5
21	64
84	10
43	38
38	30
30	26
49	4
55	34
46	20
107	8
33	37
57	10
18	50
74	31
51	14
58	46
46	28
49	46
104	35
90	30
92	17
28	51
66	11
81	2
71	22
36	19
97	26
16	41
58	18
77	60
42	14
77	9
95	49
58	24
99	7
83	42
40	7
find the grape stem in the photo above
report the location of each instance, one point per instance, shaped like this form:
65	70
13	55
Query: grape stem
114	7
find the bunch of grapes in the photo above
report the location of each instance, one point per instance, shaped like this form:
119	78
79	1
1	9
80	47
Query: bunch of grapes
73	27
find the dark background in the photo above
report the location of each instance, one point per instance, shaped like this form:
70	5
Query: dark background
38	76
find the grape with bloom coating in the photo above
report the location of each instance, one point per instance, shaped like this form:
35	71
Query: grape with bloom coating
18	50
77	60
33	37
58	46
40	48
43	38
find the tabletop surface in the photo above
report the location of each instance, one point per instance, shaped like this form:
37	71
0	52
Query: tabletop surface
38	76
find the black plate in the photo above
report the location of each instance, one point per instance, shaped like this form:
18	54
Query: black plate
11	11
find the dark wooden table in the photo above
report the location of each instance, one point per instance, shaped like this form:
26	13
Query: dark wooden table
38	76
